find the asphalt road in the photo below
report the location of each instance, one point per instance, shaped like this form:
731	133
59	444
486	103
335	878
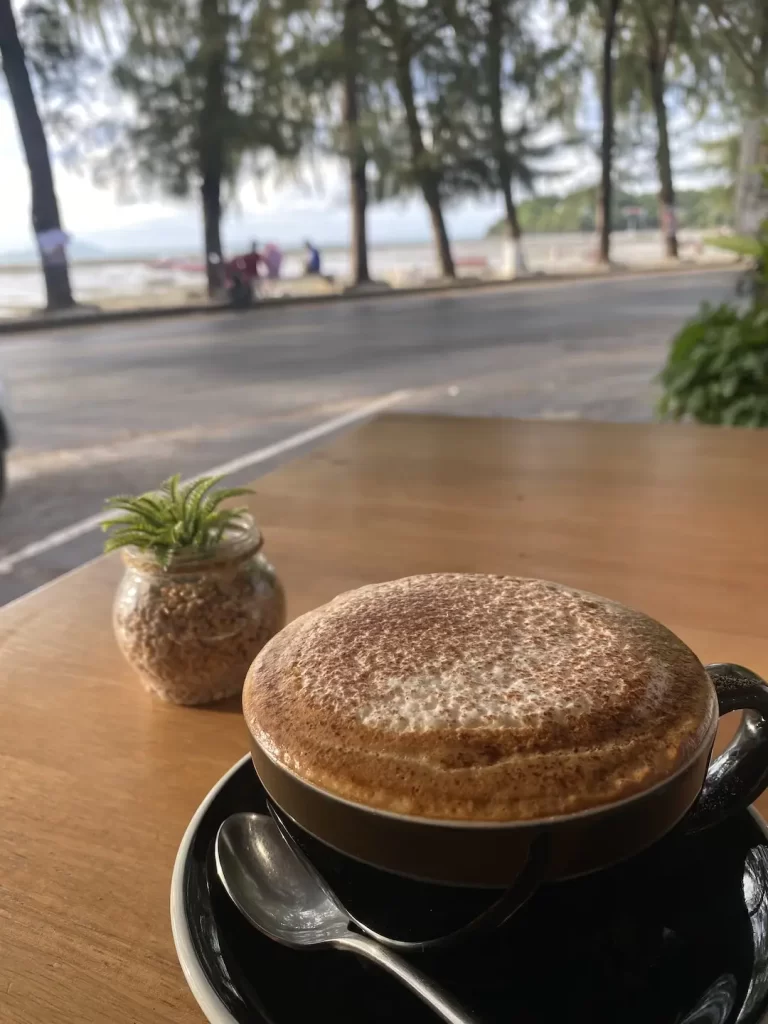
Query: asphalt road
110	409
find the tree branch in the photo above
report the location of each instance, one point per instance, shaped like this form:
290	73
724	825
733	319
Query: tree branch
650	28
380	23
670	37
731	34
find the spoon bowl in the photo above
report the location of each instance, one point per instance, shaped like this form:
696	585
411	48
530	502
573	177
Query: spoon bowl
280	896
271	887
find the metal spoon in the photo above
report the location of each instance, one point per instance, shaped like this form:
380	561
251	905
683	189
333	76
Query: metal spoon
492	917
277	894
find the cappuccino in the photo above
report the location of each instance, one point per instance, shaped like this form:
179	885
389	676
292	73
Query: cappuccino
478	698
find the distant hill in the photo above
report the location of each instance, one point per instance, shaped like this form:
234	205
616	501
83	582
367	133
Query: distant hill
77	251
576	211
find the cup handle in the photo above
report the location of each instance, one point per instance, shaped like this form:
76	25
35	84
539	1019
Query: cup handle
740	774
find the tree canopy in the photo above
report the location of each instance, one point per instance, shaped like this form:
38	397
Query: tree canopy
446	99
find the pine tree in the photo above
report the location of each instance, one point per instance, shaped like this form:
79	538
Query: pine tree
602	19
354	23
654	28
735	35
609	13
213	96
336	78
505	88
404	30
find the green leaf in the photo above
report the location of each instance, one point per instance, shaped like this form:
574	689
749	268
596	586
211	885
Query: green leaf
109	524
129	537
230	492
717	370
173	519
129	505
744	245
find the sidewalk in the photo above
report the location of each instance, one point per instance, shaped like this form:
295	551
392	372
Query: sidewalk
92	316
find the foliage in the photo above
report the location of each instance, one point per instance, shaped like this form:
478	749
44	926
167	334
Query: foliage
576	211
754	246
177	518
734	35
460	81
447	43
66	71
162	70
45	207
745	245
721	156
412	41
273	72
717	369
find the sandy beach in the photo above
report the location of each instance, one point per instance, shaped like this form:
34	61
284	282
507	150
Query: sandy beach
129	282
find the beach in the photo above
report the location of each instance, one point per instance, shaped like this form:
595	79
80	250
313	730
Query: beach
139	280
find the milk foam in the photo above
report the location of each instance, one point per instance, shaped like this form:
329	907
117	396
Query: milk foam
467	696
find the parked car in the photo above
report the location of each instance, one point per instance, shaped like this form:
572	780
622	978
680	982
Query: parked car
6	436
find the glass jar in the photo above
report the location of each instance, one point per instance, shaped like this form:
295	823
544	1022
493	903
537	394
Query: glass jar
192	628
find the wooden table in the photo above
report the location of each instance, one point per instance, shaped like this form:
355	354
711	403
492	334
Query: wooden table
98	780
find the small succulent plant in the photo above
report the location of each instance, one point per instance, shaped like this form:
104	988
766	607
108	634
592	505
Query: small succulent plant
176	518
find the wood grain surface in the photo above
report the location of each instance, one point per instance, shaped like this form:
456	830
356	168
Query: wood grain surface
98	780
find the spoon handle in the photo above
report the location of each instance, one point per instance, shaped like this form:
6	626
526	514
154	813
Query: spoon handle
433	995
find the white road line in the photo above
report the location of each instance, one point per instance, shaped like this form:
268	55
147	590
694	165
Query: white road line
59	537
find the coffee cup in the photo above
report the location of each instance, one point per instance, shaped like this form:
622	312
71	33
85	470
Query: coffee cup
492	731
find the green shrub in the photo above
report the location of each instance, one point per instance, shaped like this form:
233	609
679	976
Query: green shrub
754	246
717	369
757	248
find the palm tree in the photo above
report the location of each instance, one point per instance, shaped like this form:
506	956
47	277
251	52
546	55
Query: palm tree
45	208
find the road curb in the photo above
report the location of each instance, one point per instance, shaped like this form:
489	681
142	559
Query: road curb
47	323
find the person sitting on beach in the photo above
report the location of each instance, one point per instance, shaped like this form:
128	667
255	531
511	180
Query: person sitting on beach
312	266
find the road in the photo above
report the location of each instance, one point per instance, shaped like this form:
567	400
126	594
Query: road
111	409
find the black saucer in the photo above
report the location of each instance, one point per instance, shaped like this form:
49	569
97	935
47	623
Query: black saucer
679	935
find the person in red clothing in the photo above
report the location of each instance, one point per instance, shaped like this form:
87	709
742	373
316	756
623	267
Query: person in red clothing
242	271
248	264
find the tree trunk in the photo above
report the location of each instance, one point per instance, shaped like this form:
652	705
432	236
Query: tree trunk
606	191
516	261
427	176
760	65
210	141
751	207
750	199
45	208
667	214
431	191
210	193
354	10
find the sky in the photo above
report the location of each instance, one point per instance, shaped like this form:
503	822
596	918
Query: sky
287	216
